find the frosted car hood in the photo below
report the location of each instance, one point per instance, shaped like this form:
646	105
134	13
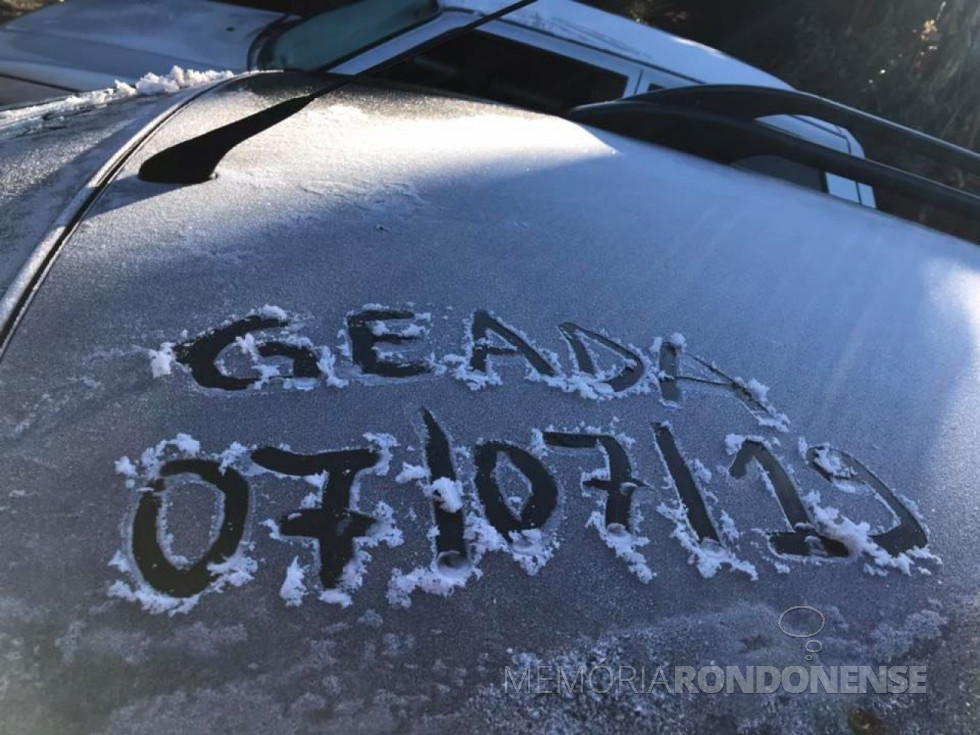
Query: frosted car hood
246	423
128	39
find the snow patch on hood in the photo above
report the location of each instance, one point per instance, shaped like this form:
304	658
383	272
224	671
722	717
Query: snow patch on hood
177	80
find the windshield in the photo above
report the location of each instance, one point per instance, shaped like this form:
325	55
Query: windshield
329	37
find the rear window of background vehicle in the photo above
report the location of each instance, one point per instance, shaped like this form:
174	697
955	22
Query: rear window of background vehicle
486	66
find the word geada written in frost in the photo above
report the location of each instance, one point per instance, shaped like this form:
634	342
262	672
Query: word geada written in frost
471	514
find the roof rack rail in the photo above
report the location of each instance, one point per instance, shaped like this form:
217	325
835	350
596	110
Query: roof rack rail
719	122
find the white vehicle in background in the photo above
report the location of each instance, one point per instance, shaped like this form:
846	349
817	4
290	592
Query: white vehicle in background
550	57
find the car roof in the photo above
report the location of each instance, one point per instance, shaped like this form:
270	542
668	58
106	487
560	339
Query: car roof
381	225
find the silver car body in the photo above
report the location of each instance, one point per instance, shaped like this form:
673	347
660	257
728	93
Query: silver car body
553	337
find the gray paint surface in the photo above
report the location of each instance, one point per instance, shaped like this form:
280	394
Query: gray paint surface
864	328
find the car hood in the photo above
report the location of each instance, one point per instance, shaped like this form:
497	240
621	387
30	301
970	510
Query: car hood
123	40
244	424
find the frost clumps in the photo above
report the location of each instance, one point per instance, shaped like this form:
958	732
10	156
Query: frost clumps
327	364
178	79
147	467
140	475
450	570
859	540
437	579
148	598
708	556
625	544
448	493
531	549
734	442
501	340
701	472
258	353
441	577
831	462
411	473
385	532
21	119
385	443
124	466
758	393
235	571
162	360
293	587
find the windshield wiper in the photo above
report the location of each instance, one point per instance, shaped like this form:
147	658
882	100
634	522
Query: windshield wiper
194	160
719	122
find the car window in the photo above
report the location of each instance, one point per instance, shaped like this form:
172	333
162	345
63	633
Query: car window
488	66
291	7
329	37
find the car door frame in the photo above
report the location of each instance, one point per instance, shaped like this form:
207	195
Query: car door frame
531	37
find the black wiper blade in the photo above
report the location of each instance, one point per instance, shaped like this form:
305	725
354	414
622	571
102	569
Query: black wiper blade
194	161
